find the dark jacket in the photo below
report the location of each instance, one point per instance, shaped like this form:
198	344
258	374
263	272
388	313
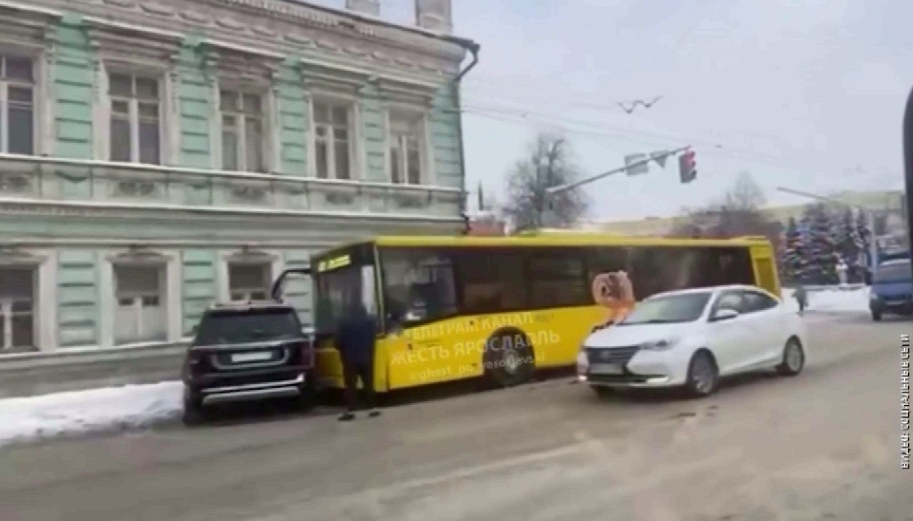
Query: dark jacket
355	337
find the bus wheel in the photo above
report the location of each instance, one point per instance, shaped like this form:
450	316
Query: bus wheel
509	358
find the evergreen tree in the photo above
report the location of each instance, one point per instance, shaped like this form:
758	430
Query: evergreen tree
805	251
822	254
864	236
794	261
848	245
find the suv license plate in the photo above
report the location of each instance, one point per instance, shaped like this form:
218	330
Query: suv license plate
606	369
251	357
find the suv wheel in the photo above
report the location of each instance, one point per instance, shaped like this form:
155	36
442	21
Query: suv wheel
307	399
193	414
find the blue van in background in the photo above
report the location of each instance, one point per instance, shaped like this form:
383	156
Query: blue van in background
892	289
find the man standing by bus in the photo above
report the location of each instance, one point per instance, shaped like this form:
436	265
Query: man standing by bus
354	339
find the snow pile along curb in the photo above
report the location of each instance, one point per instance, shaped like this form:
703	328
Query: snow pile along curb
77	412
834	299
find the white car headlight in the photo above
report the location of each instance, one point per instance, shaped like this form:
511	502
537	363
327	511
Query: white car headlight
659	345
582	362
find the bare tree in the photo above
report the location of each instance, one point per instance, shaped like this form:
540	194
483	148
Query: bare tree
745	194
548	164
739	213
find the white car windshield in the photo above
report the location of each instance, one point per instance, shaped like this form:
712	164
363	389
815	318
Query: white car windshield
684	307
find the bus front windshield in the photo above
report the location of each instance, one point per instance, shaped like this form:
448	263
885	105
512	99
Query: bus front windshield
333	291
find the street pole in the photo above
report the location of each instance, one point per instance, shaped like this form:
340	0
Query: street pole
870	217
570	186
549	215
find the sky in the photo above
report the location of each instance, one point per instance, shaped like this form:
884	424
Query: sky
803	94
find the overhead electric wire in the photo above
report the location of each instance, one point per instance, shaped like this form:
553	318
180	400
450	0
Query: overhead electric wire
487	100
597	136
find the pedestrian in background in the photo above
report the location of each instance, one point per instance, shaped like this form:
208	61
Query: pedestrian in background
801	297
354	339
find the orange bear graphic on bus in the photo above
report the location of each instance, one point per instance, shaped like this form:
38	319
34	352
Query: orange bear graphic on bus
613	291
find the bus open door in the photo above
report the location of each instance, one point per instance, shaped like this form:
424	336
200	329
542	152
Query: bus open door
329	366
276	292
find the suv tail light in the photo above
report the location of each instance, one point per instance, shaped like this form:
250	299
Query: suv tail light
195	362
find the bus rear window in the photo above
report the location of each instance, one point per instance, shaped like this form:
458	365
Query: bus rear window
255	325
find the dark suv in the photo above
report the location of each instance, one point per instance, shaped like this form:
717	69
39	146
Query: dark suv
248	351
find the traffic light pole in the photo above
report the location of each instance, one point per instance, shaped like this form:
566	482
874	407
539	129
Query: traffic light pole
570	186
549	218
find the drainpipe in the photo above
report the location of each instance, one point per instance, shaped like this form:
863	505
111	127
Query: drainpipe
473	49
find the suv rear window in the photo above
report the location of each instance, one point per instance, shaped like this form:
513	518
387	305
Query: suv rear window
256	325
899	271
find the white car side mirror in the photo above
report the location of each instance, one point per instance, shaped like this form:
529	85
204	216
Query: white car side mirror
724	314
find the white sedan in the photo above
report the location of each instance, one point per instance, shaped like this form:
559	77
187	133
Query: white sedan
691	338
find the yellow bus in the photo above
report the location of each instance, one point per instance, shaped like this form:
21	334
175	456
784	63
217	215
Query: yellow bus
464	307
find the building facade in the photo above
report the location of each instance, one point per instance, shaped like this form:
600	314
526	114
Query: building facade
158	155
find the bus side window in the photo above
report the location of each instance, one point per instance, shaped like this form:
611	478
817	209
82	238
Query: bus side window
607	259
491	280
650	268
557	278
419	284
733	266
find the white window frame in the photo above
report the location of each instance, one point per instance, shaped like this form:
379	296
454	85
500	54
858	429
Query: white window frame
45	329
351	107
247	294
421	136
133	108
38	98
7	314
171	297
265	127
273	258
137	298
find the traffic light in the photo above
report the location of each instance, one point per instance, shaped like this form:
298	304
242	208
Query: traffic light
687	166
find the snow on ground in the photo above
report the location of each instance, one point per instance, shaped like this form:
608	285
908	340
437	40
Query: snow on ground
832	299
135	406
77	412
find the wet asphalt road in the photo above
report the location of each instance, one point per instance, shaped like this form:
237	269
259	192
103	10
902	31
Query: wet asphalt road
822	446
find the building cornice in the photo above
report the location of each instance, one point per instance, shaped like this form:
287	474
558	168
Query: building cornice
265	39
133	48
28	31
367	26
115	210
277	26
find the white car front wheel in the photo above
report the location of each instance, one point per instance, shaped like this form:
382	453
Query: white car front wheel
703	375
